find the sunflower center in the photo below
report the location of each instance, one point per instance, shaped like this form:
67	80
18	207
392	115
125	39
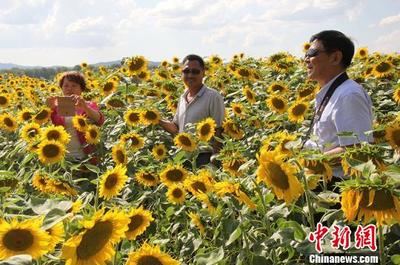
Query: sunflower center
205	129
133	117
383	200
8	122
160	151
136	221
51	150
174	175
120	156
18	239
185	140
136	64
383	67
249	95
26	116
93	133
243	72
94	240
134	140
3	100
278	88
306	92
53	135
278	103
149	260
150	115
238	110
177	193
278	176
82	122
42	115
299	110
199	186
108	86
148	176
396	137
111	180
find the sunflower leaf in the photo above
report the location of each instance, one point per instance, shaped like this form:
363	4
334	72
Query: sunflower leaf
211	257
18	260
234	236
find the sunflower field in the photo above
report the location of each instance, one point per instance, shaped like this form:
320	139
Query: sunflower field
135	202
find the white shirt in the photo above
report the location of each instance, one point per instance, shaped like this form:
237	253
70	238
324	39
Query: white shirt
74	147
348	110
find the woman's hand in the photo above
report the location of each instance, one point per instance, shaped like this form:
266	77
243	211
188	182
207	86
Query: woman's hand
51	102
79	102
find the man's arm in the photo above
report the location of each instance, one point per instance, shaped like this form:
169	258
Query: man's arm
169	126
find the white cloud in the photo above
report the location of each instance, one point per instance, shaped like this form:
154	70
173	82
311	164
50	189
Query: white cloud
388	42
84	24
389	20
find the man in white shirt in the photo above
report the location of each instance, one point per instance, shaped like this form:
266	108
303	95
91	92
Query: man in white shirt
346	107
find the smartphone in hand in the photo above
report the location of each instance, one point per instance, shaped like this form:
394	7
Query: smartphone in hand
65	106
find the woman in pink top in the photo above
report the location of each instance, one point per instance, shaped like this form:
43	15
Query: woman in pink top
72	85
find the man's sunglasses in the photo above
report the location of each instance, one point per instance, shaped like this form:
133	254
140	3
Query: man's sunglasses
194	71
312	52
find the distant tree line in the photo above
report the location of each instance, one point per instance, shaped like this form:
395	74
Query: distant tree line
40	72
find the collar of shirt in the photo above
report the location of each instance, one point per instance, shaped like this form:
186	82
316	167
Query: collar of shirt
321	93
199	94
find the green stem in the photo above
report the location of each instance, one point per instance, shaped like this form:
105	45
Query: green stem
381	239
309	204
266	219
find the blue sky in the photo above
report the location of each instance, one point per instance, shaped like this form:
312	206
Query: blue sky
68	32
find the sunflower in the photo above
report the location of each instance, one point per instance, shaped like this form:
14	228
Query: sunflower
56	233
42	116
215	60
135	141
159	152
277	103
176	194
360	155
147	178
8	122
80	123
132	117
150	255
393	135
56	133
199	183
24	237
297	111
224	187
40	182
115	103
140	219
58	186
173	174
185	141
306	92
232	164
112	182
382	69
94	245
136	64
24	115
367	203
396	94
278	87
237	109
108	87
148	117
232	129
243	72
283	138
206	129
196	220
30	132
119	154
318	167
249	94
279	176
306	46
50	152
92	134
362	53
206	200
4	100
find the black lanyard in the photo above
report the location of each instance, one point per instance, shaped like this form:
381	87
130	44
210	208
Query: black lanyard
317	114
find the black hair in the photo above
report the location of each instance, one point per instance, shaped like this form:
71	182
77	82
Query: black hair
193	57
334	40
